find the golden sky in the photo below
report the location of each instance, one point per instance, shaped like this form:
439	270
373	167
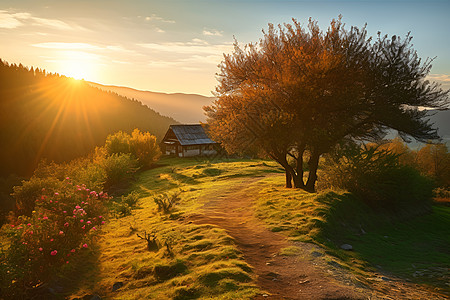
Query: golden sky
175	46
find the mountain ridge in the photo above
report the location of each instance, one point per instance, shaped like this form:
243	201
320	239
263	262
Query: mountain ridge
185	108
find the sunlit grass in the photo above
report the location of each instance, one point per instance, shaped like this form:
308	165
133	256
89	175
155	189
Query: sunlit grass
205	263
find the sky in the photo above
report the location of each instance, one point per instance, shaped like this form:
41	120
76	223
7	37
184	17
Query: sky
175	46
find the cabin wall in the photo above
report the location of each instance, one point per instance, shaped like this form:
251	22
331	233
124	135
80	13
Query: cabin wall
189	151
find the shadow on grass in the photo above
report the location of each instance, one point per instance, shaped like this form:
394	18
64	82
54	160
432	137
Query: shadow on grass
416	248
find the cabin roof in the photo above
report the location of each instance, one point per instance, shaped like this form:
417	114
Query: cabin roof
189	135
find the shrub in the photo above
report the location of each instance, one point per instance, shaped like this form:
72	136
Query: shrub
131	199
40	246
119	168
118	142
166	201
85	171
144	146
30	191
376	177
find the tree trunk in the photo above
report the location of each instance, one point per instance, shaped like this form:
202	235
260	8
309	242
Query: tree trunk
313	163
288	179
298	177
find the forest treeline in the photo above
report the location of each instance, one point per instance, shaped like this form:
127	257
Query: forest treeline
53	117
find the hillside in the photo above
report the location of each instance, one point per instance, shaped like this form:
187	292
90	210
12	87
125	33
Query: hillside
271	243
58	118
185	108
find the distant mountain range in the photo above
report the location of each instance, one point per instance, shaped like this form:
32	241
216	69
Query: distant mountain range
185	108
188	108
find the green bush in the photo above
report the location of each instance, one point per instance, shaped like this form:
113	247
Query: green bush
40	247
118	142
122	206
144	146
141	145
166	201
131	199
375	176
85	171
119	169
30	192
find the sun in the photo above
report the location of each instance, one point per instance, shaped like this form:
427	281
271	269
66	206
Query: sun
77	64
75	70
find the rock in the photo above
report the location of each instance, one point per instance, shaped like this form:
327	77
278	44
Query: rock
316	254
334	264
265	295
346	247
117	286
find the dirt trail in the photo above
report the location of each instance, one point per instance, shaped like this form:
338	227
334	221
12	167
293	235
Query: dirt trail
283	277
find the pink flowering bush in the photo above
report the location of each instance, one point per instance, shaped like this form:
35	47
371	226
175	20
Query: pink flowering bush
40	246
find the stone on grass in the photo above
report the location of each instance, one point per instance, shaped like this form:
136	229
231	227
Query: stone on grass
346	247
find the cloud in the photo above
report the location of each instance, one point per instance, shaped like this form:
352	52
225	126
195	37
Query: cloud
67	46
439	77
212	32
195	47
154	17
443	79
159	30
11	20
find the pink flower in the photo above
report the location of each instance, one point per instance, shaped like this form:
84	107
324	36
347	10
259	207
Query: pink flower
51	240
31	231
81	221
73	250
103	222
45	218
40	249
88	222
67	261
94	228
100	217
29	224
12	225
85	245
56	193
53	252
84	226
82	202
77	207
61	232
64	211
67	178
66	224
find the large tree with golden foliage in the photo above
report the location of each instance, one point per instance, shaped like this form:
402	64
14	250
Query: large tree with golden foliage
300	91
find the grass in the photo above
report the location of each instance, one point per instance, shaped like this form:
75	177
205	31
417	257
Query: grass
415	248
201	261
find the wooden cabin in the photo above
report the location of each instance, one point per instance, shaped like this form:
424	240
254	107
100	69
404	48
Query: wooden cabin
188	140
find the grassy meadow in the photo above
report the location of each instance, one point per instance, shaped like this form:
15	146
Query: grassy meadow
202	261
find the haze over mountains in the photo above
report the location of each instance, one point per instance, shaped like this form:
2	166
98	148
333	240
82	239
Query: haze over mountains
188	108
185	108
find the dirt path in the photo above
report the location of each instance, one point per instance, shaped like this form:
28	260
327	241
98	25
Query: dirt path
305	276
282	277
